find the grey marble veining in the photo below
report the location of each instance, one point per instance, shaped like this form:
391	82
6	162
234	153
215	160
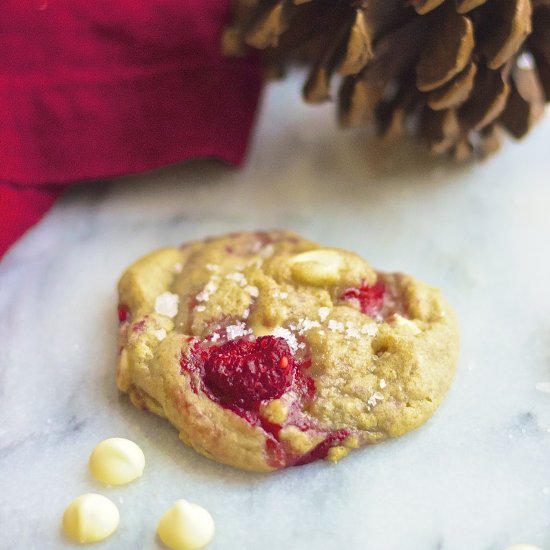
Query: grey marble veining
477	476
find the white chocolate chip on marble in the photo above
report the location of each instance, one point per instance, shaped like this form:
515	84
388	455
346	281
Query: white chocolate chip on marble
167	304
186	526
90	518
317	267
117	461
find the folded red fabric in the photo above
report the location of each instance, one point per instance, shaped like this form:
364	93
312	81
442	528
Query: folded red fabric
90	90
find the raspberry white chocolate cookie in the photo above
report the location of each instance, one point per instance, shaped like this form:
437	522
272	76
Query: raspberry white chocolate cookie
266	351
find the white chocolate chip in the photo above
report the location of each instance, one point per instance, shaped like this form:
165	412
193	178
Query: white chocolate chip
186	526
317	267
167	304
178	268
382	383
117	461
90	518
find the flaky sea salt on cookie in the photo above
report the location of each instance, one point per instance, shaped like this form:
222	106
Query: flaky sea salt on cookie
266	350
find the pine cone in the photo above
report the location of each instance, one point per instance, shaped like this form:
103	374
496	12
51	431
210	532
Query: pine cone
458	73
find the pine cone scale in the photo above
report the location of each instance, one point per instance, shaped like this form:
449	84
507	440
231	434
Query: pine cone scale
452	71
268	29
359	48
367	89
466	6
487	101
504	37
440	129
423	7
456	92
447	52
526	103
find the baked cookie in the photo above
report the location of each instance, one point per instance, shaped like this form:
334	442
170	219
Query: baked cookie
265	350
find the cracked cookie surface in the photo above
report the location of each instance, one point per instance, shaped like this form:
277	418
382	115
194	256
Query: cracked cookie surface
266	350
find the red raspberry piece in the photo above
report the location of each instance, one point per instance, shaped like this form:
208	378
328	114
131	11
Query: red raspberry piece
122	313
321	451
370	297
245	372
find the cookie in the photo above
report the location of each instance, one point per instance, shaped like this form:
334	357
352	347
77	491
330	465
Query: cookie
266	350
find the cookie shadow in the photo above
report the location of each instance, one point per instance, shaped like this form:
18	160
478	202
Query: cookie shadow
352	162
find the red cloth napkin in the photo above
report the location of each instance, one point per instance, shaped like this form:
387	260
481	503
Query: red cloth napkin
93	89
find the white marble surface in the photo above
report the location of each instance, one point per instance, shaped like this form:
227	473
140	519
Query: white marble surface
475	477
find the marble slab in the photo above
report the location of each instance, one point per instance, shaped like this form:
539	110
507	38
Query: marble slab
477	476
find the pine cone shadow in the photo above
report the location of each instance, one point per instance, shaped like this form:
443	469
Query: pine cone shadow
366	157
